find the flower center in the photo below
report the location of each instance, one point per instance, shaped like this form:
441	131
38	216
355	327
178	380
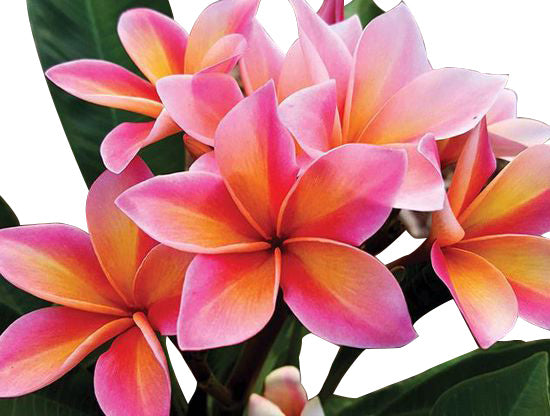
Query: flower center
276	242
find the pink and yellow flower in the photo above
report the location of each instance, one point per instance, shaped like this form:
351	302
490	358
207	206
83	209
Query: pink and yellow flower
284	395
509	135
257	227
377	87
115	282
487	246
159	47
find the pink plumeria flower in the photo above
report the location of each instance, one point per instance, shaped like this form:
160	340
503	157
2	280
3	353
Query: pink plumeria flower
284	395
258	228
377	87
115	282
487	246
159	47
509	134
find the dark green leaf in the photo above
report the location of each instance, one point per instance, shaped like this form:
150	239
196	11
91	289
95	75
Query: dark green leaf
65	30
7	216
518	390
365	9
416	396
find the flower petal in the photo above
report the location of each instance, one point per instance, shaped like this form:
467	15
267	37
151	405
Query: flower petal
130	380
453	101
332	11
224	54
199	102
119	244
45	344
194	147
284	388
524	261
313	408
331	49
57	263
344	295
216	21
260	406
227	298
390	54
206	163
190	211
350	30
480	290
257	158
333	199
262	60
124	142
516	201
155	42
158	286
107	84
475	166
311	115
511	137
445	226
504	108
423	188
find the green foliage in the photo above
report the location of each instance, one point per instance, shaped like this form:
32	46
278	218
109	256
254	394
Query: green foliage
365	9
65	30
510	379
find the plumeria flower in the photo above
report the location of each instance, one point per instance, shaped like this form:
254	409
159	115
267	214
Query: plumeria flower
284	395
487	246
509	135
377	87
159	47
258	228
115	282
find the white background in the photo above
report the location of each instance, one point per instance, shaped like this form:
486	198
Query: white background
41	181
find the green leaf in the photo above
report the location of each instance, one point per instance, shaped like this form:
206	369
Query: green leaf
65	30
416	396
72	395
517	390
365	9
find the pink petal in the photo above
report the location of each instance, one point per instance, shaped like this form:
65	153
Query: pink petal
190	211
260	406
119	244
524	261
504	108
516	201
311	115
216	21
224	54
344	295
350	30
107	84
313	408
423	188
257	158
511	137
481	292
206	163
130	380
227	298
124	142
199	102
390	55
43	345
262	60
332	11
475	166
331	49
57	263
161	296
284	388
445	226
333	200
453	101
154	42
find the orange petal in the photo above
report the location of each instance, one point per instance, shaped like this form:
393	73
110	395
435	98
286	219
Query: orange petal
445	226
120	245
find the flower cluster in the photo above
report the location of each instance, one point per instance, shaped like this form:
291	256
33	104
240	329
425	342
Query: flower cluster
299	160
